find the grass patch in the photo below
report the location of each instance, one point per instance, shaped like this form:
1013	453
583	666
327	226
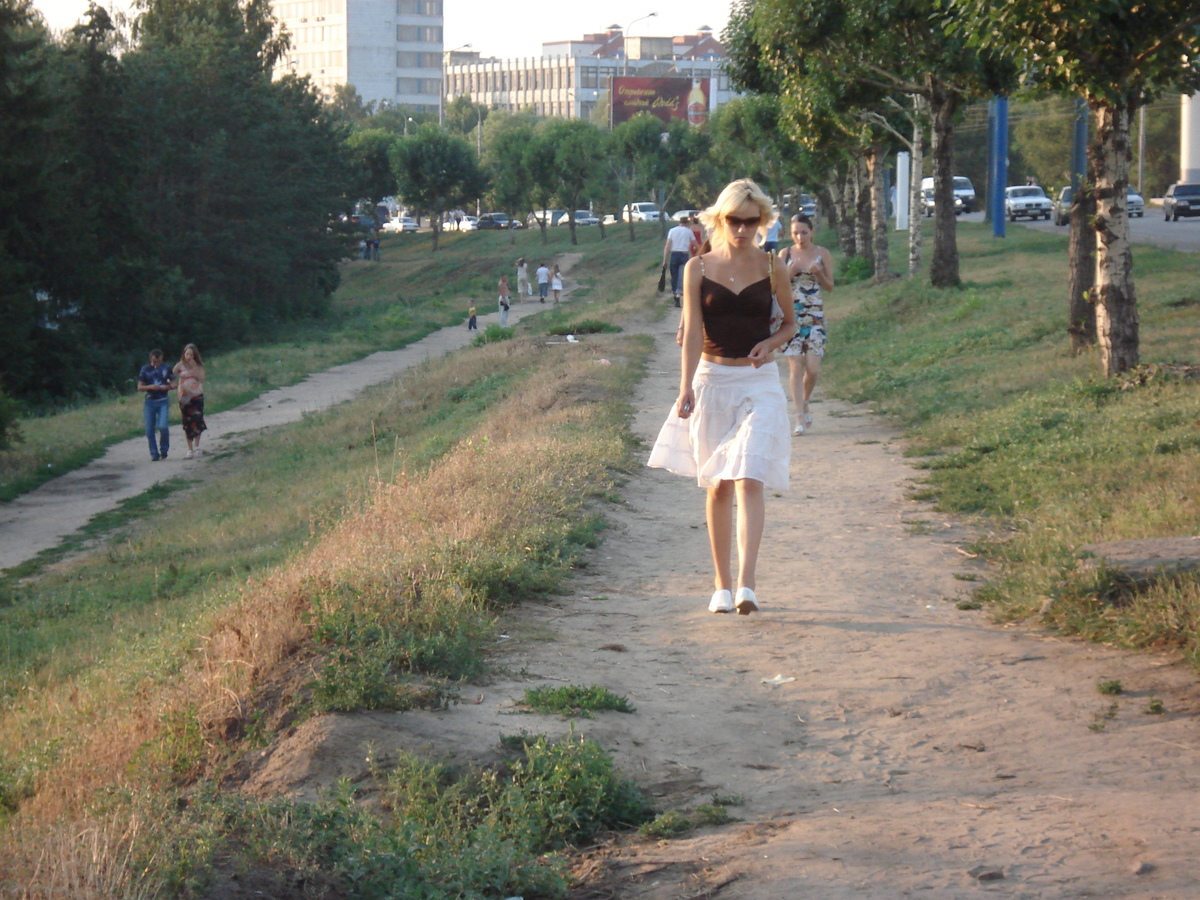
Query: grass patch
357	559
1015	432
574	700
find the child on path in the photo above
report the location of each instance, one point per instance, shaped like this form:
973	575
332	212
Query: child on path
503	302
472	322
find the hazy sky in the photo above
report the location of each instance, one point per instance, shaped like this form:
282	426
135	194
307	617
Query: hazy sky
507	30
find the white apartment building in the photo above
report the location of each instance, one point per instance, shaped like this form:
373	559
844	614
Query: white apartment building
390	50
571	77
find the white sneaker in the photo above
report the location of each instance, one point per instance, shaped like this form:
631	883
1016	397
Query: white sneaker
188	455
721	602
746	602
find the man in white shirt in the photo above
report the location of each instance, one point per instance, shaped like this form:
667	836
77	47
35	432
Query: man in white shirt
676	252
543	280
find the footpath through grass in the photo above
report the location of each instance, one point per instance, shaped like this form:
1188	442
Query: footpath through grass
380	306
355	560
1013	429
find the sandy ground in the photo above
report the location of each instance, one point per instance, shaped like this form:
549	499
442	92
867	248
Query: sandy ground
910	749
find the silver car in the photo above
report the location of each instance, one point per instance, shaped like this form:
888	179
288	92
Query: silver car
1137	206
1028	201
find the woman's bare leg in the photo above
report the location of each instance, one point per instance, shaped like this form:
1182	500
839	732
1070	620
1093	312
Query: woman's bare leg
719	508
751	516
796	375
812	368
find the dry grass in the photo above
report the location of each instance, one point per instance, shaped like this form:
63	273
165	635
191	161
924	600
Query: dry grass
500	497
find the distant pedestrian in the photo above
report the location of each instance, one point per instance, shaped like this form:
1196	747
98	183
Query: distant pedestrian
556	282
472	322
190	374
363	252
543	280
697	230
155	380
375	248
771	241
676	252
523	288
503	301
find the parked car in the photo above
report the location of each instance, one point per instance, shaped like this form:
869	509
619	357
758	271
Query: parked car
1181	200
1028	201
640	212
1135	203
808	206
495	221
928	205
963	190
582	217
1062	206
400	224
468	223
549	216
682	215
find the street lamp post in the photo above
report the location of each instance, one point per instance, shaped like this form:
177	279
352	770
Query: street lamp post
442	83
625	40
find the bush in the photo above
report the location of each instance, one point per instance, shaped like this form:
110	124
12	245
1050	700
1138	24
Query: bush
9	432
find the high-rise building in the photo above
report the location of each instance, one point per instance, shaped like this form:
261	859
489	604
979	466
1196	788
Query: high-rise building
389	50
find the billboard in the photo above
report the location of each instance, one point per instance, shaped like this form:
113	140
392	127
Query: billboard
668	98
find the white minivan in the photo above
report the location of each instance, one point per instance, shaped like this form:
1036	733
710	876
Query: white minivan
640	212
963	190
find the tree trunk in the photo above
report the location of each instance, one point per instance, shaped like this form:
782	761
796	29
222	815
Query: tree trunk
916	171
435	225
1116	303
862	212
1081	254
843	198
943	268
876	161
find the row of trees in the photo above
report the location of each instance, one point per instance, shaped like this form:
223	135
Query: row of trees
859	77
158	187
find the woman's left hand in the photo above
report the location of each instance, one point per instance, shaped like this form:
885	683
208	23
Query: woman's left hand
761	354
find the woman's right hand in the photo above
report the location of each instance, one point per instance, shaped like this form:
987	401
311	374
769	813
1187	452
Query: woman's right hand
685	404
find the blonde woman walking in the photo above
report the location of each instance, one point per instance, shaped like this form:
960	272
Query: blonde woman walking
729	427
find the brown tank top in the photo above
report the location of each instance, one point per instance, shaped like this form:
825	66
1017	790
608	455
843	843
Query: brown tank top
735	323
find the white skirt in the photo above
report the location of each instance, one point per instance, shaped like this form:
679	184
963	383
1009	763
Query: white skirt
739	428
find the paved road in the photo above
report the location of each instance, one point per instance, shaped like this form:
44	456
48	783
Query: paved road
1151	229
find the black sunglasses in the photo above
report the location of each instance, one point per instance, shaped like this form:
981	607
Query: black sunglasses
736	221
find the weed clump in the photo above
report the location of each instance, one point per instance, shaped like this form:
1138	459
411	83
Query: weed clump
574	700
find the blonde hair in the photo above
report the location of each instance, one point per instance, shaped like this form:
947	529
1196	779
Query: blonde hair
735	194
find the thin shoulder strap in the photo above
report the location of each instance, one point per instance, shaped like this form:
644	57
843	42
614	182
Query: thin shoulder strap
701	258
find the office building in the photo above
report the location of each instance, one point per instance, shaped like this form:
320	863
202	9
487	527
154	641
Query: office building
571	77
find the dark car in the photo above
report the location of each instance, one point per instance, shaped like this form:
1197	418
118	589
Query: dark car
928	205
1181	200
495	222
1062	206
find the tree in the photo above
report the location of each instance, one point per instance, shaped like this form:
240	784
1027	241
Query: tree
26	172
793	47
463	115
1117	55
577	154
507	137
436	172
635	145
370	161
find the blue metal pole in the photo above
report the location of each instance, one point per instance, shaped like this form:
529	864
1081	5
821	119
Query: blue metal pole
999	154
1079	145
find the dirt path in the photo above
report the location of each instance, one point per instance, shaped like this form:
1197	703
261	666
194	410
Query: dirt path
42	518
918	752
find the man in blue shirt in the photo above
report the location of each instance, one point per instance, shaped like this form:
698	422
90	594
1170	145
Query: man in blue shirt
156	380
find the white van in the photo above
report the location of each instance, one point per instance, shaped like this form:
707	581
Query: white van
640	212
963	190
